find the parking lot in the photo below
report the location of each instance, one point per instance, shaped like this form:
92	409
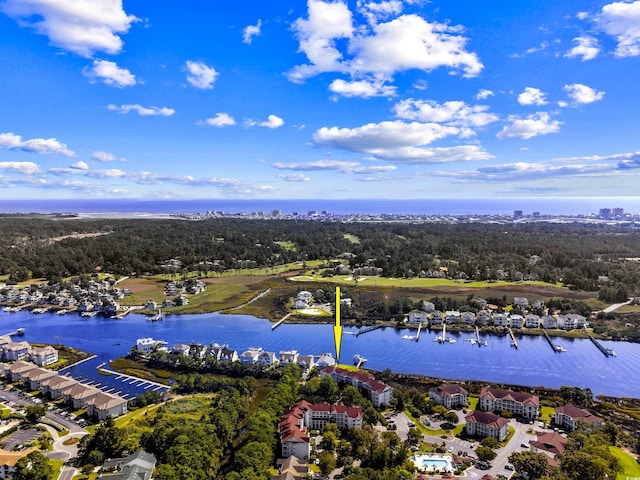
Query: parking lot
21	437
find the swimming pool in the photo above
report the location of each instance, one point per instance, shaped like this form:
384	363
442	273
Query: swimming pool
430	462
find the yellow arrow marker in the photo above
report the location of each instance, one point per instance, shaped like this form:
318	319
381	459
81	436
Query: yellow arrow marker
337	330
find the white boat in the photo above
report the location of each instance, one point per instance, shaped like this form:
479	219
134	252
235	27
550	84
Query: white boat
20	331
451	340
559	348
155	318
89	314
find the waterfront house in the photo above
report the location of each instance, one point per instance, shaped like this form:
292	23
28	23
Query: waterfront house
79	394
549	321
486	424
532	321
43	356
288	356
151	305
516	321
500	320
168	303
569	416
450	396
519	403
577	321
306	361
452	316
483	318
147	345
15	351
267	358
437	317
468	318
103	405
325	360
250	356
418	316
228	355
137	466
551	444
181	349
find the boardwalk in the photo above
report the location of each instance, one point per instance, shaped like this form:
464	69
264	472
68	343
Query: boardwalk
281	321
131	379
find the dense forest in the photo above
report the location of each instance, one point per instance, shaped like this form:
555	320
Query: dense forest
585	257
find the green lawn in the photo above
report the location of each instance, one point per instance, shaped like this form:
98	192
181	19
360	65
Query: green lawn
351	238
630	466
290	246
547	414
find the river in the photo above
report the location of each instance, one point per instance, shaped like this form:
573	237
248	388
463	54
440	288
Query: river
533	363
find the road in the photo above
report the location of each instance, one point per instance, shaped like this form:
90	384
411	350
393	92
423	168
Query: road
615	306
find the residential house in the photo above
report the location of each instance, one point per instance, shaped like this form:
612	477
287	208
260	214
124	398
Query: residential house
483	318
291	468
549	321
151	305
521	303
325	360
306	361
427	306
418	316
267	358
79	394
481	303
181	349
551	444
468	318
569	416
288	356
452	316
43	356
250	356
437	317
294	439
486	424
516	321
520	404
500	319
137	466
228	355
450	396
147	345
532	321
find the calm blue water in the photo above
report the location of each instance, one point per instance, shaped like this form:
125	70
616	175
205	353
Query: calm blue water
534	363
481	206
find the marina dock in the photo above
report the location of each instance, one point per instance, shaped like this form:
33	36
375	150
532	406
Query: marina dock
131	379
514	342
123	314
281	321
414	337
607	352
554	347
370	329
358	361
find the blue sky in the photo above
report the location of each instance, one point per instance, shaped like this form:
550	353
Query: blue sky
322	99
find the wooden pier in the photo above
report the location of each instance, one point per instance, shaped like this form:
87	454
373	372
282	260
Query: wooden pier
371	328
358	360
281	321
554	347
514	342
123	314
607	352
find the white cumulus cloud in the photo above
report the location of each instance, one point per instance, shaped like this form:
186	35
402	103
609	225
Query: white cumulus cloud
587	48
582	94
200	75
530	126
101	156
483	94
333	42
80	26
251	31
362	88
273	121
294	177
622	21
110	73
23	168
35	145
220	120
451	113
143	111
337	165
531	96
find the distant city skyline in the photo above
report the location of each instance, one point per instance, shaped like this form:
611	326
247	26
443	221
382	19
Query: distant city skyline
340	99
